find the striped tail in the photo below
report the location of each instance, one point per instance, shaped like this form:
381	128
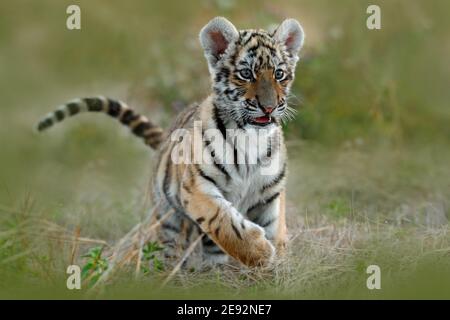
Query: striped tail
138	124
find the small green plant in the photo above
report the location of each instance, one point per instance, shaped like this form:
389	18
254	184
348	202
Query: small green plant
95	265
338	208
149	252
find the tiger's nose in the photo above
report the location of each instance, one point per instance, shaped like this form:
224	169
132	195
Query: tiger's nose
268	109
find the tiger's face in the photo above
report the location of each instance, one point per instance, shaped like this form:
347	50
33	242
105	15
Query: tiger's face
252	70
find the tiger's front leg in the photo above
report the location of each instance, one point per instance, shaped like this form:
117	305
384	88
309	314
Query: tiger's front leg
217	217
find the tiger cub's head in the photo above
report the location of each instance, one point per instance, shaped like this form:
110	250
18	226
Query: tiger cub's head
252	70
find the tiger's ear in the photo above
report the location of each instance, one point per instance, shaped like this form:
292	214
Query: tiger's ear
216	37
290	33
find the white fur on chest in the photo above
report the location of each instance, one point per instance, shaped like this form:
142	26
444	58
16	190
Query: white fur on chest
254	169
244	190
243	193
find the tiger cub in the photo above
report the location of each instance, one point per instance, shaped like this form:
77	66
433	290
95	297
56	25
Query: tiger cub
232	187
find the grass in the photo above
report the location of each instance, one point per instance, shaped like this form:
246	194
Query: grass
369	149
340	222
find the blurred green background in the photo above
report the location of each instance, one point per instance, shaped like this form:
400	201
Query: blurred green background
372	133
387	86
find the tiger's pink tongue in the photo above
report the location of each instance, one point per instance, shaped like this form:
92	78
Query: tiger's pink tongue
263	119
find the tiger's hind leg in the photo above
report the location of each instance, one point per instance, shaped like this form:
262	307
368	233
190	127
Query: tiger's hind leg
271	217
212	254
175	235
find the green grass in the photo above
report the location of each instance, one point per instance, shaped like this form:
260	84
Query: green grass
369	149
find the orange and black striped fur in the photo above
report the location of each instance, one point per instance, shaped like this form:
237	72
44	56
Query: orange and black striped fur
238	204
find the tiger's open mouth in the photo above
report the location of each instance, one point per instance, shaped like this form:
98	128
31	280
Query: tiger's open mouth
262	121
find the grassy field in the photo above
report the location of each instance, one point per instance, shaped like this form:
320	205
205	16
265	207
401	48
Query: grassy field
369	179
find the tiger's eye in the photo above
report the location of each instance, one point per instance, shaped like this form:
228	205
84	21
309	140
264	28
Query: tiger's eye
279	74
246	74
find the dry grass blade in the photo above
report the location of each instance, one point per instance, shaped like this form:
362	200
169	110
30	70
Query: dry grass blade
130	245
70	239
17	256
180	263
75	245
